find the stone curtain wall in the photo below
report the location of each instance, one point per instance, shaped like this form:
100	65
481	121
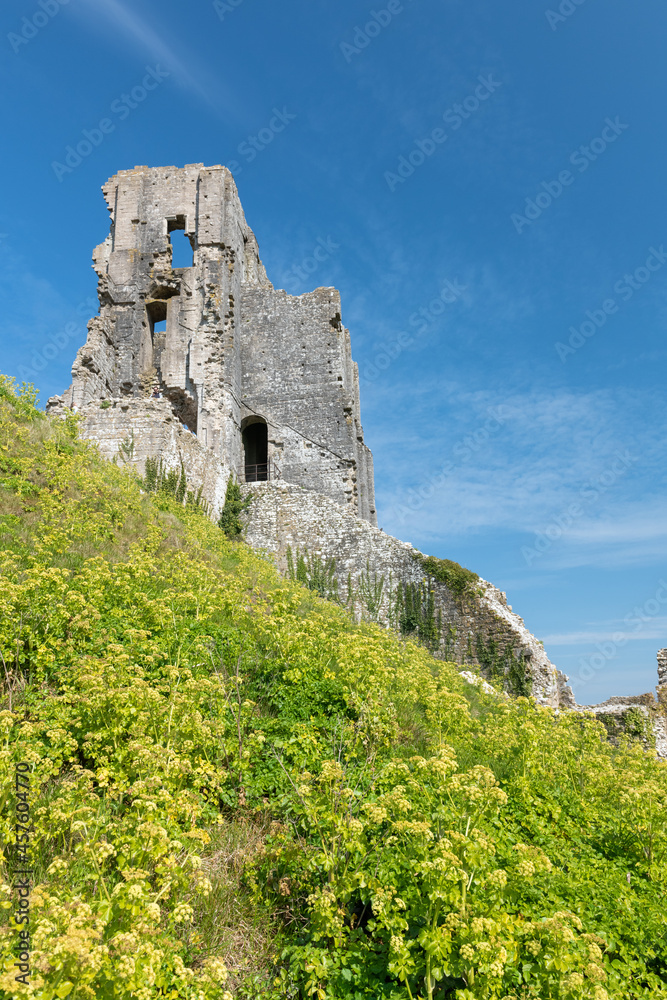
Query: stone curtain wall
282	515
129	431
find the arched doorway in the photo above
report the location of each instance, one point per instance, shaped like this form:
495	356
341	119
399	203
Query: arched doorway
255	437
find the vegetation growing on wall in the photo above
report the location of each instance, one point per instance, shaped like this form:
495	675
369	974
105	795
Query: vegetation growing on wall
169	484
415	612
632	722
410	609
458	579
371	591
234	505
313	572
507	671
238	791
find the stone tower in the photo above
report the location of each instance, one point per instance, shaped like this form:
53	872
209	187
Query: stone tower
265	380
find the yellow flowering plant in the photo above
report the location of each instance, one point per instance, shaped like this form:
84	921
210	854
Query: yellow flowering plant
403	836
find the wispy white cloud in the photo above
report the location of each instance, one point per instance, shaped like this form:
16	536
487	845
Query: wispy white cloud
598	451
639	521
187	70
656	629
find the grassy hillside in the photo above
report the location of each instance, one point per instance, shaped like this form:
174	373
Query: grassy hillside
236	790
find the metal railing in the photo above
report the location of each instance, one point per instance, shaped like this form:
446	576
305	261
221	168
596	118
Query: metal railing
262	473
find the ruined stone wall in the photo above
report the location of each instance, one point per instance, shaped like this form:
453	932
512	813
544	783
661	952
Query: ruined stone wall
128	431
298	374
234	347
635	716
282	515
195	364
286	515
662	669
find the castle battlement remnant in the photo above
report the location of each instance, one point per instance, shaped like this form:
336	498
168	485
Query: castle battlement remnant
263	379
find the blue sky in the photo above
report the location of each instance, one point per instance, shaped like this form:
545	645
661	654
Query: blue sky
489	182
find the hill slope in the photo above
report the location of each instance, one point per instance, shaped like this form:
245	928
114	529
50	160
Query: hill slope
232	788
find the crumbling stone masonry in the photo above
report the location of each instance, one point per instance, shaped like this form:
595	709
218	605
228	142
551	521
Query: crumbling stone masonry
283	516
264	380
638	715
662	669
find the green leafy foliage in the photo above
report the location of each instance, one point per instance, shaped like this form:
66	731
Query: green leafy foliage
313	572
230	516
239	791
415	612
459	580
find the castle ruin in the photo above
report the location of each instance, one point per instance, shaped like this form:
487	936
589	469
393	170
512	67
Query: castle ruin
263	379
216	372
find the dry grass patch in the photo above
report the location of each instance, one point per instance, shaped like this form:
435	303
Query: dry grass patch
228	922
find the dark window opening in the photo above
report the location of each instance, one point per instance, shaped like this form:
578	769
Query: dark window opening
157	316
256	452
182	251
157	311
183	405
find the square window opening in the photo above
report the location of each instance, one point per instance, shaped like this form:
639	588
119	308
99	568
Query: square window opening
182	248
157	316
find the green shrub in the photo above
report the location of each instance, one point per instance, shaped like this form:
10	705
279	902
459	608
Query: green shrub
314	573
230	516
459	580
